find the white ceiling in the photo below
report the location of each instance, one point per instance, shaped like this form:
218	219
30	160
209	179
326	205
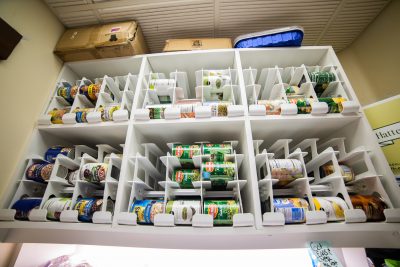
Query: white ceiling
325	22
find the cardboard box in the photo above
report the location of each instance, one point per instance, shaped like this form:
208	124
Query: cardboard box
101	41
197	44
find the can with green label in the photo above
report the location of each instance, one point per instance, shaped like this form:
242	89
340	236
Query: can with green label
185	153
217	152
222	211
322	80
303	104
219	173
185	177
334	103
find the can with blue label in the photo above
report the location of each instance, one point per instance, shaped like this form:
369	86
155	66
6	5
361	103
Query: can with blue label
52	153
67	92
146	210
294	209
24	206
81	114
39	172
86	207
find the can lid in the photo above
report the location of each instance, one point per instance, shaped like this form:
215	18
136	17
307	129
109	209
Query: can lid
62	172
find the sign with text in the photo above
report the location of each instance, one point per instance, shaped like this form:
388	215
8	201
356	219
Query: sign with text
322	254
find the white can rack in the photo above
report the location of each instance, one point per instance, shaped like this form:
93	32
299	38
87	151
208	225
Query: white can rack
260	74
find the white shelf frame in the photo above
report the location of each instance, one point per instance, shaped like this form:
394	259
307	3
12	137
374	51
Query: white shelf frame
341	234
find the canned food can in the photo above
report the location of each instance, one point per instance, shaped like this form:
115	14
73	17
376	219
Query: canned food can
185	177
185	153
24	206
272	107
52	153
217	152
107	112
322	80
218	108
94	172
164	99
67	92
57	114
73	176
286	170
86	207
216	81
188	110
303	104
90	91
183	210
222	211
334	207
81	113
373	206
55	206
292	90
146	210
155	84
346	172
334	103
219	173
39	172
294	209
157	111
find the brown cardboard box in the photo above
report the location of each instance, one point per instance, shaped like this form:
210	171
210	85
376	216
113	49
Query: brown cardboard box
197	44
102	41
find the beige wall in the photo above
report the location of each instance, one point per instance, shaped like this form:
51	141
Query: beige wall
27	77
372	62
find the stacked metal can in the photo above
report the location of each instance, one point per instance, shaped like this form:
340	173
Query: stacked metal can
185	153
321	80
86	207
67	92
183	210
41	172
24	206
186	177
107	112
146	210
55	206
90	91
373	206
81	114
346	172
52	153
294	209
219	173
217	152
218	108
303	104
222	211
272	107
57	114
94	172
73	176
285	170
334	207
334	103
157	111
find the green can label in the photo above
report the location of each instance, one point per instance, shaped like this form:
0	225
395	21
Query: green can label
217	152
334	103
219	173
185	153
222	211
185	177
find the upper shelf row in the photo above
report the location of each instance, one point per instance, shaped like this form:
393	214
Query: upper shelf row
202	84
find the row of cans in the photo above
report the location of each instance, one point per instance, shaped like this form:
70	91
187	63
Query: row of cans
218	109
304	105
295	209
68	92
86	207
217	152
222	211
106	113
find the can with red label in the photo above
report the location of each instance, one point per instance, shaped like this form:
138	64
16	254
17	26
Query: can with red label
185	177
219	173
